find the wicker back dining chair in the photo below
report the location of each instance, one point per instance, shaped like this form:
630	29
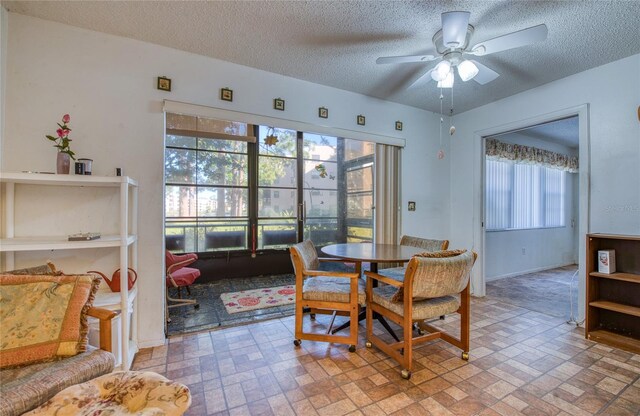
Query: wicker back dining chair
435	284
427	244
325	292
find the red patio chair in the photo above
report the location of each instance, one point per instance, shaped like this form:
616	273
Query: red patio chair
178	276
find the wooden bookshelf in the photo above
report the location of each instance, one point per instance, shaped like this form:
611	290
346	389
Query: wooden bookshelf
616	307
625	277
613	300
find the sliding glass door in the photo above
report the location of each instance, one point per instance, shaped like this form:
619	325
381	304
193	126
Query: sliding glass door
207	184
321	182
358	166
277	225
233	187
337	189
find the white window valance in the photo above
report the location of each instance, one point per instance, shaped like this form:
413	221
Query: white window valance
178	107
516	153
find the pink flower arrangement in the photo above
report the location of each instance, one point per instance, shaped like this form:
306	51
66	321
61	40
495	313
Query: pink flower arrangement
62	140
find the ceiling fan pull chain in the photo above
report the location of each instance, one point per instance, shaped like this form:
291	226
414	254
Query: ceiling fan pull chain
441	152
452	128
441	116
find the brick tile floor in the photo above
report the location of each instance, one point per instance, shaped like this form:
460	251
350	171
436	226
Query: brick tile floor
522	363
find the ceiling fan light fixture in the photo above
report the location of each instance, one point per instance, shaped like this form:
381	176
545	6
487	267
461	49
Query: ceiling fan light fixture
467	70
454	28
447	82
441	71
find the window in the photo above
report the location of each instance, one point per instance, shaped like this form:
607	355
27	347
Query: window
277	171
234	186
521	196
338	189
207	184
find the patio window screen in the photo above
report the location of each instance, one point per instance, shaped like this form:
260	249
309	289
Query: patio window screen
206	184
239	186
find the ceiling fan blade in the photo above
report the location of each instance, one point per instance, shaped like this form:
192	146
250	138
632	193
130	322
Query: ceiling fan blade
422	80
512	40
454	28
485	74
405	59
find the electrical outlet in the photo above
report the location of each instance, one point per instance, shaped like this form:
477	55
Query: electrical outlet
524	251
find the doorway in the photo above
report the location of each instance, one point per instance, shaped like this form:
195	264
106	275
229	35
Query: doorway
531	211
513	253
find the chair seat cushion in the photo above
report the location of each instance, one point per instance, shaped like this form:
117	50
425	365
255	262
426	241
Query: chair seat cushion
184	277
26	387
422	309
331	289
121	393
395	273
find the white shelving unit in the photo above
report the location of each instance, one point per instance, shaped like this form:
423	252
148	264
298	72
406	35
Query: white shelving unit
126	240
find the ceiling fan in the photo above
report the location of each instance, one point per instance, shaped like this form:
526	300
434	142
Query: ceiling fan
452	46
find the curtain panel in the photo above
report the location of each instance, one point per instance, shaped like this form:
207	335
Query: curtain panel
387	191
516	153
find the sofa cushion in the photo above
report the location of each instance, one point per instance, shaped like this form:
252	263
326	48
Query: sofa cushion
27	387
121	393
43	316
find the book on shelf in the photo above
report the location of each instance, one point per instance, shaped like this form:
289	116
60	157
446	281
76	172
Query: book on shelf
84	236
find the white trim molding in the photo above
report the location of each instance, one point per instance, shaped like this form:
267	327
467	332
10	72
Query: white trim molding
220	113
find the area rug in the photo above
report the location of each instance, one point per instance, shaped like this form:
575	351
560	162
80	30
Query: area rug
248	300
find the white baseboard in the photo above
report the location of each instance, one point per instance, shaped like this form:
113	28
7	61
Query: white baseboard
152	343
520	272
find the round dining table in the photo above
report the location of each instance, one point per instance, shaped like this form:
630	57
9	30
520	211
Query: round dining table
373	254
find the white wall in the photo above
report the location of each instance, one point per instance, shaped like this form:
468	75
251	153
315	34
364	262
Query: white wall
107	84
4	29
544	248
612	93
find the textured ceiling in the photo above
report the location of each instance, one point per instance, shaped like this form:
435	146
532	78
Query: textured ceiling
564	132
336	43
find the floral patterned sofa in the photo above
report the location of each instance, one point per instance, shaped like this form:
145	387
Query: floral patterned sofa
43	346
120	393
46	364
24	388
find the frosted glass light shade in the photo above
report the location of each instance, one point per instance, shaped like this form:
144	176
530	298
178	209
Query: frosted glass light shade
454	28
467	70
447	82
441	71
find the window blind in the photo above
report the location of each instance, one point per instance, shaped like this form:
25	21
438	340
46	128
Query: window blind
523	196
